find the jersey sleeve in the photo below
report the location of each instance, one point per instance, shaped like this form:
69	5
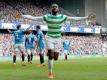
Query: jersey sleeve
38	35
23	31
64	18
35	38
44	18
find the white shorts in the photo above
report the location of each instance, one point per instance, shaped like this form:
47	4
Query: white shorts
30	51
65	52
18	48
53	43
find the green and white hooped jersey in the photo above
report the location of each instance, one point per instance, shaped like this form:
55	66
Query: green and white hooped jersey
54	24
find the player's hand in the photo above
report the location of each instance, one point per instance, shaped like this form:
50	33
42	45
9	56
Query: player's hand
91	16
18	16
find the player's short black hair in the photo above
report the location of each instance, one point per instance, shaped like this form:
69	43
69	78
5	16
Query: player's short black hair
18	26
37	27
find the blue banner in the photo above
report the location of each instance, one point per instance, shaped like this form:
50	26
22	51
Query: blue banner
66	28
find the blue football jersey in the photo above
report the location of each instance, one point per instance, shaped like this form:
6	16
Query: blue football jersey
30	41
66	45
40	36
18	36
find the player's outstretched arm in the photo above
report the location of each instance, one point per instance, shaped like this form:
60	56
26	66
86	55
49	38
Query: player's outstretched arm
77	18
9	31
29	27
32	17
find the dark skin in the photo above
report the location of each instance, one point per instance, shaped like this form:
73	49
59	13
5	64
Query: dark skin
51	53
54	10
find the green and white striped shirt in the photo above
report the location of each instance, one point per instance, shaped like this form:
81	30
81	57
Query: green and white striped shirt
54	24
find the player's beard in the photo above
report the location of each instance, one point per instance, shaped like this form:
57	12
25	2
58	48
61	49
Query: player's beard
54	12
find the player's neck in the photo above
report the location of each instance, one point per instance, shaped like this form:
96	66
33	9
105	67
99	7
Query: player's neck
54	13
38	30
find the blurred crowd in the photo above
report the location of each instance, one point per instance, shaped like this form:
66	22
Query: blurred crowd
85	45
11	11
6	42
82	45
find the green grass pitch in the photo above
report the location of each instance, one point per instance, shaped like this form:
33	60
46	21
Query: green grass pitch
73	69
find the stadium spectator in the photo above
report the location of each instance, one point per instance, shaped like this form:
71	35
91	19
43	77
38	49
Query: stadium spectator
11	11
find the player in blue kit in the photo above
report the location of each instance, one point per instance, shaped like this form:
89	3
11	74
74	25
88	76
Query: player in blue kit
18	43
40	45
30	42
66	47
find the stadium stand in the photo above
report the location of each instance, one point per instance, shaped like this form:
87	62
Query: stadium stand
11	11
83	45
